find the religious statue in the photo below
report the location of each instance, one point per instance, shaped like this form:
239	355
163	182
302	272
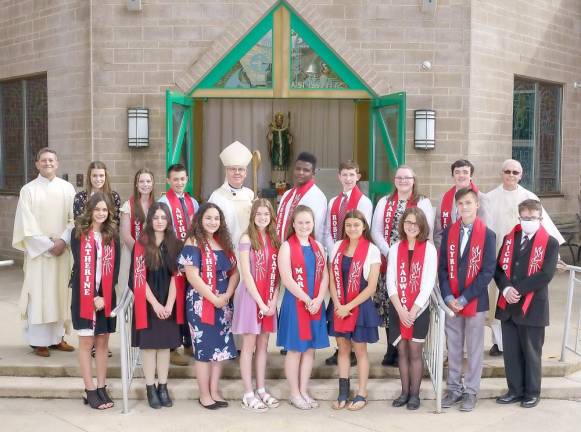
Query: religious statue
280	142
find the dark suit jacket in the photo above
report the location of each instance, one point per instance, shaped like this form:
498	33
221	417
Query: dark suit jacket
479	286
538	311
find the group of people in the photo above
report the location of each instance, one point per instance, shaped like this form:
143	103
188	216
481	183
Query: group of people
204	275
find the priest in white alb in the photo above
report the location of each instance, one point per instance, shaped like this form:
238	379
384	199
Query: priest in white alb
42	229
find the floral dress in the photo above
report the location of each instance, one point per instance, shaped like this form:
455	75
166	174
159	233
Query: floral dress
381	297
211	342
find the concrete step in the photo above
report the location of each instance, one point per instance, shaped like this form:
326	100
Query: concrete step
321	389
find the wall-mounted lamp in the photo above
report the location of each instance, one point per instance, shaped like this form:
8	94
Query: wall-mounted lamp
577	84
425	129
138	127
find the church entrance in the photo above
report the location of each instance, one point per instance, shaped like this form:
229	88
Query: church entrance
283	68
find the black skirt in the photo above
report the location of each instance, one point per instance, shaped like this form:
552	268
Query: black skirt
421	326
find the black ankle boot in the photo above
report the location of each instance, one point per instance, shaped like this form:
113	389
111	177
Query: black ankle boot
152	397
164	398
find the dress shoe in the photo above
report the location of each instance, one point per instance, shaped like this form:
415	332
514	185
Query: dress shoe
283	352
391	357
508	398
451	398
468	402
413	403
332	361
176	359
494	351
530	402
41	351
401	400
212	406
221	403
63	346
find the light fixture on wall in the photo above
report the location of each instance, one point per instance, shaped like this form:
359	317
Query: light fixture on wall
425	129
577	84
138	127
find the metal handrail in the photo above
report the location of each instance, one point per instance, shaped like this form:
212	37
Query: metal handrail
573	280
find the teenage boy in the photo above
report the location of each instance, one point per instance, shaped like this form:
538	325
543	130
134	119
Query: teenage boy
466	267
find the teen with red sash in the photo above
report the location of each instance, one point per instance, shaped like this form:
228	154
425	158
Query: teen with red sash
411	276
384	232
183	207
95	248
209	264
465	268
351	315
155	330
301	325
255	302
305	192
526	264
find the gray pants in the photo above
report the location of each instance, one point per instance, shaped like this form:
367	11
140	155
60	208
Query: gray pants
471	330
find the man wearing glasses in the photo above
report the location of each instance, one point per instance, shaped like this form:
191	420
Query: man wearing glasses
504	201
526	264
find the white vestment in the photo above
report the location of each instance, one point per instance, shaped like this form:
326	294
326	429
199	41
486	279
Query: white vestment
44	212
316	200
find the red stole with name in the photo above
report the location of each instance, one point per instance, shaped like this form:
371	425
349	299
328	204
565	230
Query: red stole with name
136	224
347	324
140	285
293	197
208	271
351	205
180	223
388	221
409	279
266	278
299	274
536	260
448	203
475	257
88	271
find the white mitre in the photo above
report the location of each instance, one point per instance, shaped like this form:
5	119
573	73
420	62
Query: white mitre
236	154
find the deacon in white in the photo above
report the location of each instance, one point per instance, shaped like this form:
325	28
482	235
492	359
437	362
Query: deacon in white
233	197
42	230
503	208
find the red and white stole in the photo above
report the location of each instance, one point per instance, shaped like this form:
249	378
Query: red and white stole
536	260
389	219
476	251
351	204
409	278
87	272
136	225
209	276
180	223
347	324
293	198
140	285
266	278
448	203
299	274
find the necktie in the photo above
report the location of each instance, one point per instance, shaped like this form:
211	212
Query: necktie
464	241
185	210
524	243
342	212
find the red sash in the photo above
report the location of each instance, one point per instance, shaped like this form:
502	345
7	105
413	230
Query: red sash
140	286
409	279
293	197
299	274
266	278
347	324
180	223
87	275
475	258
536	260
136	225
209	277
351	204
388	219
448	202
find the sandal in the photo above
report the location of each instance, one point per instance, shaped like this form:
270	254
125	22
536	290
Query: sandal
341	401
93	400
254	404
312	402
269	400
300	403
104	395
357	403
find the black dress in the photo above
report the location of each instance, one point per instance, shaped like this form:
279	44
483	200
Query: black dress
102	323
160	334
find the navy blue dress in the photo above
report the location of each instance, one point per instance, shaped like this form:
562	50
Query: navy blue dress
368	318
288	323
211	342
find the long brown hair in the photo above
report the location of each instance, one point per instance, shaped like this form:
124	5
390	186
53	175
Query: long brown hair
170	241
300	209
106	186
222	235
357	214
420	220
85	221
270	230
137	208
415	196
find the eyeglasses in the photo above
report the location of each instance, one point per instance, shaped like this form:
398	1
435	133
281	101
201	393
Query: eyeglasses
513	172
410	224
404	178
235	169
529	219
